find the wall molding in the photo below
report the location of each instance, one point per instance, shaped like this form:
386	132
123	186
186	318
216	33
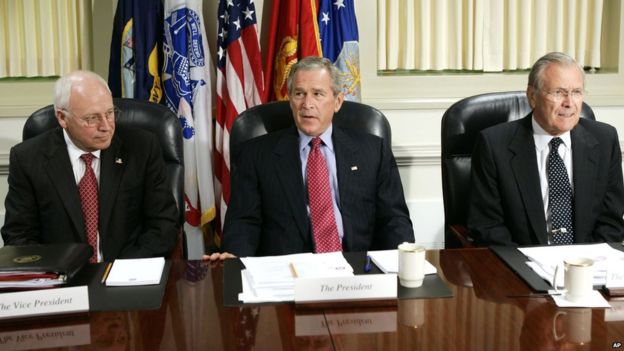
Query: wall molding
417	155
426	155
4	164
405	155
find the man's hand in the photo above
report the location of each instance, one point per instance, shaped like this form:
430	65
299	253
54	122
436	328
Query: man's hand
215	257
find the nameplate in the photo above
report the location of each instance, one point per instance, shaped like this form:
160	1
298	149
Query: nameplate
346	323
44	302
44	338
615	276
359	287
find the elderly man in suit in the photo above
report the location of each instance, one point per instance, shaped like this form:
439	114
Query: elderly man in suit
315	187
87	181
549	178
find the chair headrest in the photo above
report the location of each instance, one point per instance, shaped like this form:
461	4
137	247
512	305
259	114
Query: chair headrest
462	122
273	116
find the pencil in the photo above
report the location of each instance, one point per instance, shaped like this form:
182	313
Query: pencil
293	270
108	268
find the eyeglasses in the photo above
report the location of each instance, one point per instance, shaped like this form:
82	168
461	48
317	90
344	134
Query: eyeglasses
94	119
560	94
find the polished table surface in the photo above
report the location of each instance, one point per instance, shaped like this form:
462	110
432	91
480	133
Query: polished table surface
491	309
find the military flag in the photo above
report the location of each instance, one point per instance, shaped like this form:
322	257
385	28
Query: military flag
187	75
293	34
339	40
136	50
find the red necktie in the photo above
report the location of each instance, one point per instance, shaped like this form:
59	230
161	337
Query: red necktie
88	189
320	199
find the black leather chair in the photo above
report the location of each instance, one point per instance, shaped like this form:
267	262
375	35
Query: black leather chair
461	124
155	118
273	116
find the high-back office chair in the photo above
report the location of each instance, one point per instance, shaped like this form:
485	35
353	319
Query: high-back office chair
155	118
273	116
461	124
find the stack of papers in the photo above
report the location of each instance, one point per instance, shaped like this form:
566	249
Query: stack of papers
544	259
139	271
388	261
272	278
30	280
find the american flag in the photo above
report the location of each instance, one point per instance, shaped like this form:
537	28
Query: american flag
239	81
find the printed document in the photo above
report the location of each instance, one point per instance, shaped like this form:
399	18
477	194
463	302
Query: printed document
544	259
272	278
388	261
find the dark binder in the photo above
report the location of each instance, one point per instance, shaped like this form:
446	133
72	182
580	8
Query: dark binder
43	261
516	260
120	298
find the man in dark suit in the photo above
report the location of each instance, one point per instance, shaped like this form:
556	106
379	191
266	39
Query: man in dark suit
529	188
132	213
274	207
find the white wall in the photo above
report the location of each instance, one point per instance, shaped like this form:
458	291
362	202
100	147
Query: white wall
415	119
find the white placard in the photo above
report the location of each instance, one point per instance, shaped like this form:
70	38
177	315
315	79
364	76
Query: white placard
359	287
44	302
346	323
615	275
45	338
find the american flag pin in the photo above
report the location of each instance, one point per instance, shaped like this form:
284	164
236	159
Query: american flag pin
118	160
354	168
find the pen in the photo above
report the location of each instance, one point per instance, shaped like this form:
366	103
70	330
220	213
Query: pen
537	295
108	268
368	266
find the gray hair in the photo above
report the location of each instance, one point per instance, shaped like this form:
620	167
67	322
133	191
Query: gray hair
64	85
311	63
557	58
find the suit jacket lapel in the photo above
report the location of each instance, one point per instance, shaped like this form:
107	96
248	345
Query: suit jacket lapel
288	170
111	169
524	166
584	164
59	169
345	151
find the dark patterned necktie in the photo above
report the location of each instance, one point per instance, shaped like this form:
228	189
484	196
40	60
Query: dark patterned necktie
324	228
560	196
88	189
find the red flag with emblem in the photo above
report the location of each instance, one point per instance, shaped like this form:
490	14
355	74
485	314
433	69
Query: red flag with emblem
293	34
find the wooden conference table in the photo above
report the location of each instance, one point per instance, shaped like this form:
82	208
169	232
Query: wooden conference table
490	310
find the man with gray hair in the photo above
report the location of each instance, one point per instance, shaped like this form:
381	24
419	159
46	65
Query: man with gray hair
315	187
550	178
88	181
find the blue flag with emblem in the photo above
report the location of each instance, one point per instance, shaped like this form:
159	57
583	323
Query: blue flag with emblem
339	40
136	50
